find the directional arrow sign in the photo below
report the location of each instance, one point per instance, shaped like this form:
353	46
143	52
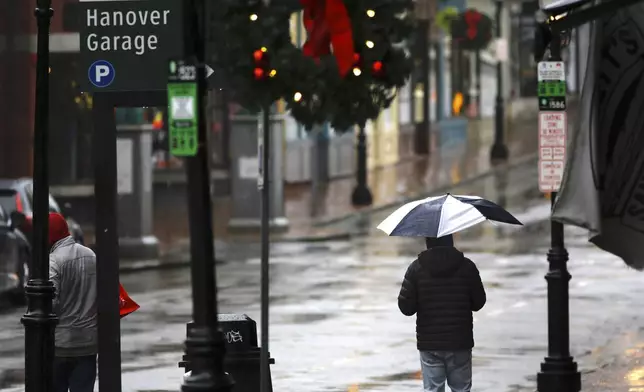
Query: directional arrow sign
209	71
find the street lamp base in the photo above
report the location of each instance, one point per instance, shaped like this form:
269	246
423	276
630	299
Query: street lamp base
499	153
559	375
361	196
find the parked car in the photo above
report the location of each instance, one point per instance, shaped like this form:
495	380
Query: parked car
17	195
15	255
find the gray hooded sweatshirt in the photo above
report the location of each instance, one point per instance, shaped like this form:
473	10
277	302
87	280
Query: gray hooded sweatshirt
72	269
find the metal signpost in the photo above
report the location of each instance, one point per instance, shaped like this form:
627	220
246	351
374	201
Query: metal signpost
559	371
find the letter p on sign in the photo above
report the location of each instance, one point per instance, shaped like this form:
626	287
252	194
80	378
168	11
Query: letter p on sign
101	73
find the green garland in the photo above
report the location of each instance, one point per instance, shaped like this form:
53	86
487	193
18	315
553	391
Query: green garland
313	89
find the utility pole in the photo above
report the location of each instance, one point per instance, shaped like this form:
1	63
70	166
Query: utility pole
205	342
264	149
40	320
499	151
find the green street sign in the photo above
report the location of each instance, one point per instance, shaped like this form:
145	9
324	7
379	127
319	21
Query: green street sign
182	108
551	87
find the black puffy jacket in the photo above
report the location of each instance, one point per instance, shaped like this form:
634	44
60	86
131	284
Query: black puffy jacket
443	288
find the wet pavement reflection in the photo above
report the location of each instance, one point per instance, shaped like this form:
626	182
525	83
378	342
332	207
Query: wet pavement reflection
334	318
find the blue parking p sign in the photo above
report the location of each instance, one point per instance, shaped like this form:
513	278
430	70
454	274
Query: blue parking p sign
101	73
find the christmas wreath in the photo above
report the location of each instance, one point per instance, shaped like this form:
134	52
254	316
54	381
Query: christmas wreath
349	69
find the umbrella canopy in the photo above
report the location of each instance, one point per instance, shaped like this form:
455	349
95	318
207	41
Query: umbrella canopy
443	215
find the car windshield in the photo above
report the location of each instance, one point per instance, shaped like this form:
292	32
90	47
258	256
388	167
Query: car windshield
8	200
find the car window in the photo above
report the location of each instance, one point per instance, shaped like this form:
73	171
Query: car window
53	206
3	216
29	192
8	200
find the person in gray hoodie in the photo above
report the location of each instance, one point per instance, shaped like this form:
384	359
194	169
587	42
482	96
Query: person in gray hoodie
72	269
443	287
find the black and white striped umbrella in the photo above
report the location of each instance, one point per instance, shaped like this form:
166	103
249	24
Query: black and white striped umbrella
443	215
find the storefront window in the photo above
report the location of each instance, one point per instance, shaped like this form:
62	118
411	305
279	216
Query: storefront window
404	104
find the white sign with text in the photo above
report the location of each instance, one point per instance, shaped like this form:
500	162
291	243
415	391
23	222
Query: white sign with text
552	149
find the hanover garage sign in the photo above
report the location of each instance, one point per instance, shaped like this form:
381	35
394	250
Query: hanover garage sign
125	45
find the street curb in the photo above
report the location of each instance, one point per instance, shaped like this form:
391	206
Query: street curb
441	189
155	264
339	236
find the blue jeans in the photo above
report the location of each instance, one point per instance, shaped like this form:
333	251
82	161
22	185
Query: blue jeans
455	367
75	374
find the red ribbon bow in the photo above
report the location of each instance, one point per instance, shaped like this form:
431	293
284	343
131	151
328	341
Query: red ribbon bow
327	24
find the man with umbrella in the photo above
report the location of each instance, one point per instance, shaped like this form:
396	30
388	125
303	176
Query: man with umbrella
442	286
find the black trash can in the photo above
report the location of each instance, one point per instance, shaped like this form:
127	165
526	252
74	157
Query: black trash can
242	359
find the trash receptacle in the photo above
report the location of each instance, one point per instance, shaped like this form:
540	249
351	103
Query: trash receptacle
242	359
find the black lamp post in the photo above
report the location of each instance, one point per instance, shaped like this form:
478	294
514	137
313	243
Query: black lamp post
39	320
499	152
558	370
423	131
361	194
205	342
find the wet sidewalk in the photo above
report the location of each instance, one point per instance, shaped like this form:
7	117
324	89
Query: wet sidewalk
316	213
327	213
622	370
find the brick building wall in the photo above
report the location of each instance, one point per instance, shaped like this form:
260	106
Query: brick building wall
17	80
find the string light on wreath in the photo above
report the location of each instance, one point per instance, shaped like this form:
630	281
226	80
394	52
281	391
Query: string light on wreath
253	17
371	13
297	97
370	44
377	67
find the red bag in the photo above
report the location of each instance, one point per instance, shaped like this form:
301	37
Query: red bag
126	304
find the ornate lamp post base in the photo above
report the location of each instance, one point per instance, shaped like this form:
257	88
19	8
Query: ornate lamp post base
361	195
559	375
